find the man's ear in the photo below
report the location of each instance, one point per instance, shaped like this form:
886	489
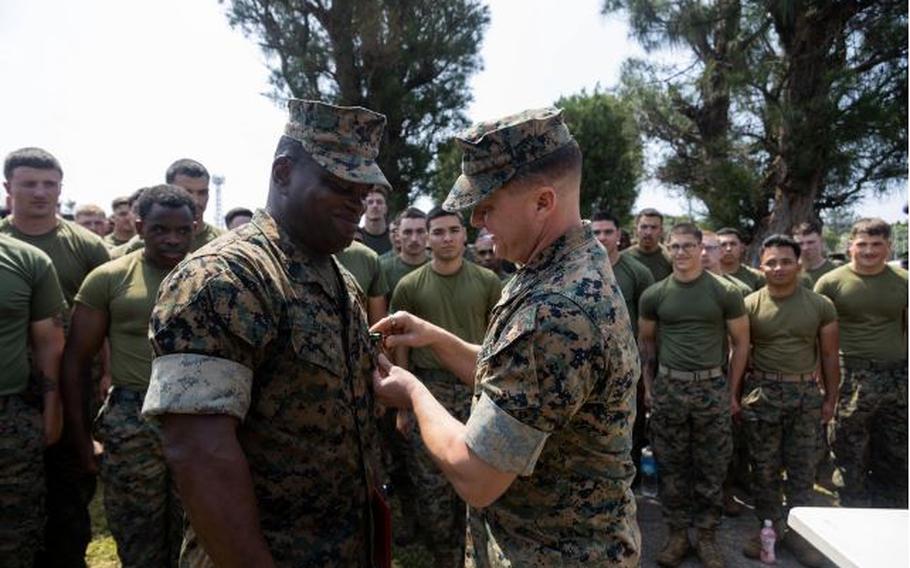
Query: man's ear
138	224
546	199
281	171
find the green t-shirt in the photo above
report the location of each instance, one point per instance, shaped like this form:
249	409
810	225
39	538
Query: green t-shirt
75	252
691	320
743	288
29	292
380	244
633	278
751	276
817	273
459	303
112	241
395	269
126	289
363	263
658	262
202	237
871	311
784	331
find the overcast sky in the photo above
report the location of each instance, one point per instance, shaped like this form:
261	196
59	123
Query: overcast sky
117	90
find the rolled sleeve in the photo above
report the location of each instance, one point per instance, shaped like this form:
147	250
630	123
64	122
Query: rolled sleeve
187	383
501	440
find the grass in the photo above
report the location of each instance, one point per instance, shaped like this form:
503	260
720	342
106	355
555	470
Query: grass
102	551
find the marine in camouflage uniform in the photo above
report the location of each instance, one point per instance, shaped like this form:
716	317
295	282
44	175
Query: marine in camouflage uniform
75	252
457	295
272	340
792	330
870	434
554	382
684	321
115	302
30	297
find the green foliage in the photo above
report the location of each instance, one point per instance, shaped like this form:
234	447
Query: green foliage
785	109
605	129
446	170
409	60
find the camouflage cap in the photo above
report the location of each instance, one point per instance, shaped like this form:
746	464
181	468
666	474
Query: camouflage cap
343	140
495	150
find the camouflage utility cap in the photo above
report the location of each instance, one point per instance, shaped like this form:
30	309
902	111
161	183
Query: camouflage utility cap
495	150
343	140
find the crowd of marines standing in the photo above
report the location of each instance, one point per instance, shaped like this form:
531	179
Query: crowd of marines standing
250	418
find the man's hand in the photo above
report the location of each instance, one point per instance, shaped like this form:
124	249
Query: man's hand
404	329
828	407
393	386
404	422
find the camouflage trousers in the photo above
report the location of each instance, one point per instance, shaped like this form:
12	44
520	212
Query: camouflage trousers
692	442
140	498
442	513
870	434
782	421
21	482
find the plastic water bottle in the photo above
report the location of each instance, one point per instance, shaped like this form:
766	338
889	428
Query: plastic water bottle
768	537
648	473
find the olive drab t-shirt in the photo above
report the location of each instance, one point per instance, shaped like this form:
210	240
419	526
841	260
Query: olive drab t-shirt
112	241
784	331
871	311
752	277
691	320
126	290
380	244
817	273
363	263
75	252
459	303
633	278
658	262
739	284
29	292
395	269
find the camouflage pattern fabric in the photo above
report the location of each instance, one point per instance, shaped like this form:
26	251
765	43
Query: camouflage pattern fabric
494	151
21	482
781	420
255	329
441	512
343	140
140	498
870	436
692	442
554	402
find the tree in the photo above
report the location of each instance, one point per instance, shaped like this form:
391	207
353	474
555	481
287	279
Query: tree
605	129
409	59
788	108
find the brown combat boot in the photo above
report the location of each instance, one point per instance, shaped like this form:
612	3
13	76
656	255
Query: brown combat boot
676	548
804	552
708	550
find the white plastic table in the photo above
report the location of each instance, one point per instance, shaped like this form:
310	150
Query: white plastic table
856	538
